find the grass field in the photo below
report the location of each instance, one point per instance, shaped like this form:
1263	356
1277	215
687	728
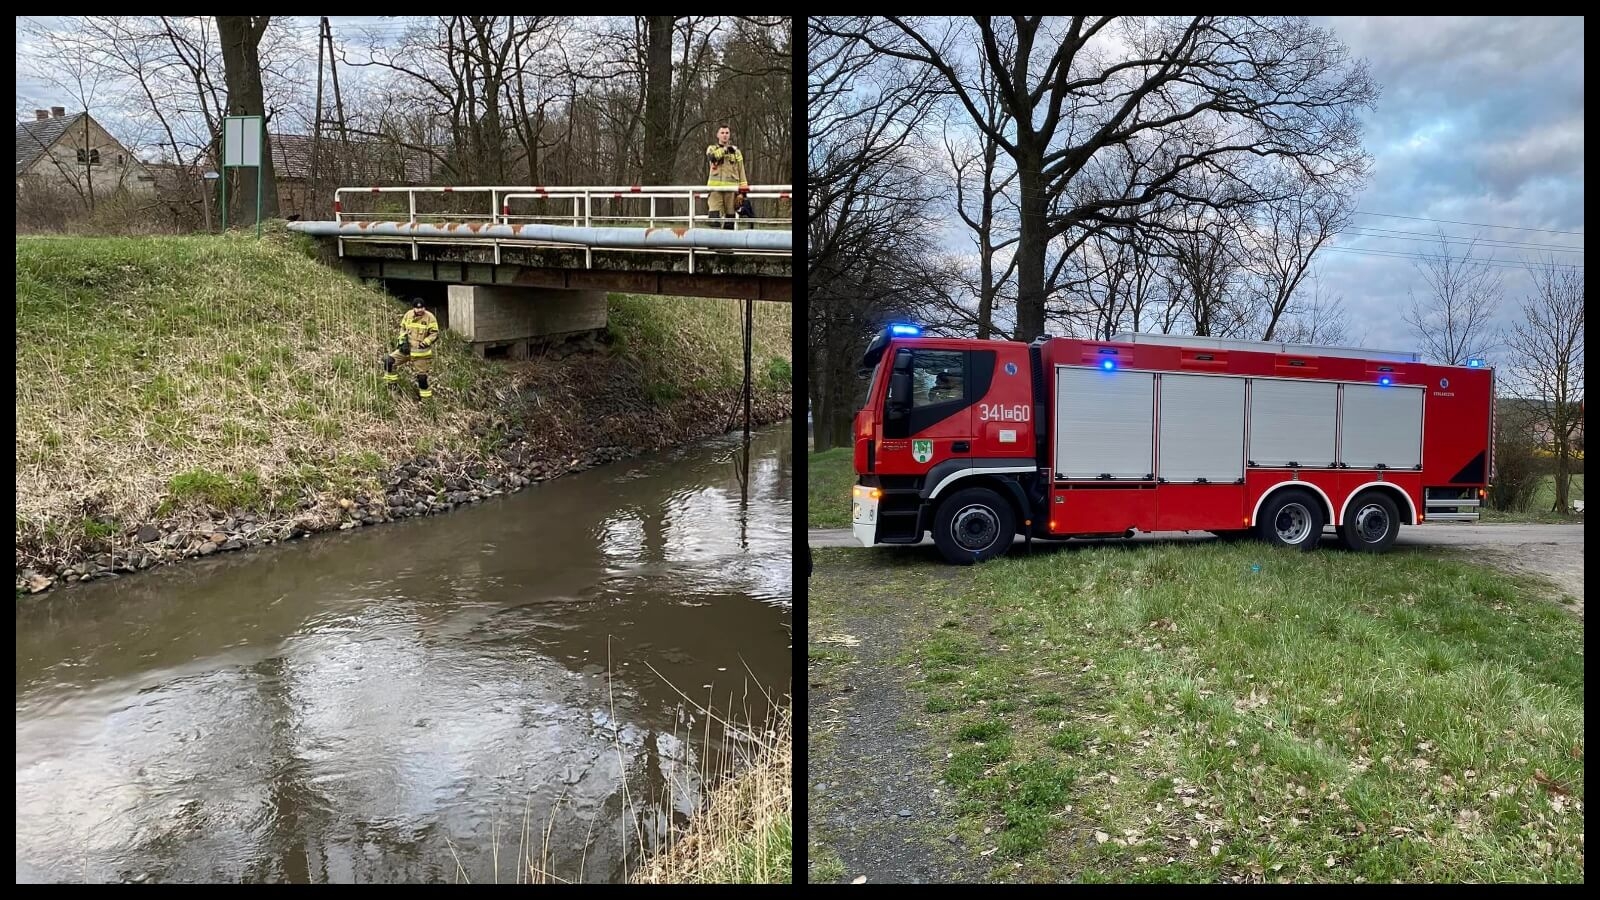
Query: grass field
830	474
1171	712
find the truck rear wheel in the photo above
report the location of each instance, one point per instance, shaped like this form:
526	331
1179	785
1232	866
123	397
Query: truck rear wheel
973	526
1371	523
1291	518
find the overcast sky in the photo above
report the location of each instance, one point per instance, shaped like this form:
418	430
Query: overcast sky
1481	120
37	90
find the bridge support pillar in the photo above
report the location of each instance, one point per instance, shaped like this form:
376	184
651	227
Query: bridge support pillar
504	315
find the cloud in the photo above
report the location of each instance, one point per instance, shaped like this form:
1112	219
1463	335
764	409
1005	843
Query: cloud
1481	120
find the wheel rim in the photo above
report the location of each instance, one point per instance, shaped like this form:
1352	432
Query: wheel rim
975	527
1293	523
1372	523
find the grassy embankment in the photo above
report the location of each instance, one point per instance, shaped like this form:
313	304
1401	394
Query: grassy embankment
172	380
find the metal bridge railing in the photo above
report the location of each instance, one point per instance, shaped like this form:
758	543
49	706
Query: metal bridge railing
644	204
645	207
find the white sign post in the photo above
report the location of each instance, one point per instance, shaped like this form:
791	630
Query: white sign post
243	139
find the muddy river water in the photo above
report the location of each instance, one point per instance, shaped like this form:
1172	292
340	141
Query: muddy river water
433	700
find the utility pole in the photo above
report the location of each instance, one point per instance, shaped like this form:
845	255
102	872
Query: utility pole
316	123
325	44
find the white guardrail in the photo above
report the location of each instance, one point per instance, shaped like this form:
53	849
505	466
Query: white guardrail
643	207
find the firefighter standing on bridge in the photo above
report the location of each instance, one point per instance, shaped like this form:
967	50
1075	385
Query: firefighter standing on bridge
418	332
727	170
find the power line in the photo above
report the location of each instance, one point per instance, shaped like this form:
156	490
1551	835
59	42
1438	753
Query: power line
1478	224
1506	263
1500	263
1453	239
1435	233
1483	240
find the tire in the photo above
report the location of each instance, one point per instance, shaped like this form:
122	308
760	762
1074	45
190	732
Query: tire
1291	518
973	526
1371	523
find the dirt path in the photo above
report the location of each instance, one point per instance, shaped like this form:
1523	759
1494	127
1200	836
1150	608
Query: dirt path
1554	552
875	796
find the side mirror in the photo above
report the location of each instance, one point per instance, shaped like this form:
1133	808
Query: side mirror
899	390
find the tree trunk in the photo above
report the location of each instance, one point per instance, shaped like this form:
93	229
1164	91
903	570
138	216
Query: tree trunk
986	288
658	144
1030	248
241	35
1563	470
822	405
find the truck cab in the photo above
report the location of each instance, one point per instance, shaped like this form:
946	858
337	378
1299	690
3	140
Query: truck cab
941	411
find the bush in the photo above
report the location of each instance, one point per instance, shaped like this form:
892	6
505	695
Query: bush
44	205
1518	467
779	375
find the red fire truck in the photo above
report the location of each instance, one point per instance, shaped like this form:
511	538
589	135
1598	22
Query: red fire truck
981	441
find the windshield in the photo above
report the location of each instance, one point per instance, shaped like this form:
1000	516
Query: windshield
863	399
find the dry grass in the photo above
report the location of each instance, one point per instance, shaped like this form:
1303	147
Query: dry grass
742	834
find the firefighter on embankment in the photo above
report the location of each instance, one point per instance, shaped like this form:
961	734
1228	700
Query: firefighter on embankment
418	332
727	170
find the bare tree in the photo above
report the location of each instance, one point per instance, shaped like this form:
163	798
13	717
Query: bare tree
1207	256
991	188
1103	288
1203	95
1454	321
1286	236
1318	320
1547	350
867	248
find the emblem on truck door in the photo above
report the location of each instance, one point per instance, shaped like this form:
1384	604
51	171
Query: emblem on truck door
922	451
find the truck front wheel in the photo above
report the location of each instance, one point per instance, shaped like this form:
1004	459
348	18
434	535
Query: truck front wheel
973	526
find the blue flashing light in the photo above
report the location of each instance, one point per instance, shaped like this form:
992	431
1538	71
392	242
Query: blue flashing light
1108	364
1475	363
1384	380
904	330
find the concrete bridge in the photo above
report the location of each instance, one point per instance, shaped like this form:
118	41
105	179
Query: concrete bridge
517	265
